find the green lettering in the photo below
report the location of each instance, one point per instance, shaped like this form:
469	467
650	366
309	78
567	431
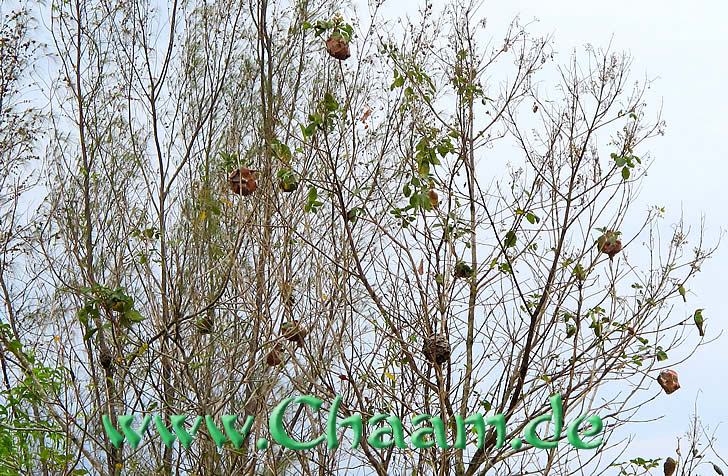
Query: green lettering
125	421
499	422
354	422
419	437
461	436
572	432
178	424
278	430
558	416
395	430
228	422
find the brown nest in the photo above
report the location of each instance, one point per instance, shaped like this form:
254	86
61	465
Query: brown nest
668	381
243	181
294	332
338	47
436	349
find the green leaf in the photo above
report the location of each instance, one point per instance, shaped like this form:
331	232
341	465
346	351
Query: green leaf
397	83
510	240
308	130
90	333
661	355
424	169
625	173
532	219
133	316
330	102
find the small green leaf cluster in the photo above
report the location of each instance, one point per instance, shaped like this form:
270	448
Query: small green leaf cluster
100	297
626	162
323	118
336	26
313	204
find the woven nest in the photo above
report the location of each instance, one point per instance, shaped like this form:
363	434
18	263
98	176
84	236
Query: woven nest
609	243
436	349
462	270
288	186
243	181
105	359
669	467
275	356
338	47
668	381
294	332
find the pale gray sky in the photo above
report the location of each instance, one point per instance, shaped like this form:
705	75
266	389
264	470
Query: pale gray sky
684	46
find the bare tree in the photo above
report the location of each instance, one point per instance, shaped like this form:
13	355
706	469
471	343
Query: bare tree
248	201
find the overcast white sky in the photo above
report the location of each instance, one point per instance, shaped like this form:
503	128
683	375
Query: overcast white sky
683	45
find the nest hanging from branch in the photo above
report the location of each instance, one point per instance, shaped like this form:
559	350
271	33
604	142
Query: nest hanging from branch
669	467
275	356
609	243
105	359
462	270
294	332
668	381
338	47
205	324
243	181
436	349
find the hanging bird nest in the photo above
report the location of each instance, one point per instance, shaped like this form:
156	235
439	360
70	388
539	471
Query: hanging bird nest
338	47
436	349
105	359
609	243
288	187
668	381
462	270
669	467
434	199
275	356
243	181
294	332
352	216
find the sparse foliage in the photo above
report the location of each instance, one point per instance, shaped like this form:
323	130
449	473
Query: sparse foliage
231	217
